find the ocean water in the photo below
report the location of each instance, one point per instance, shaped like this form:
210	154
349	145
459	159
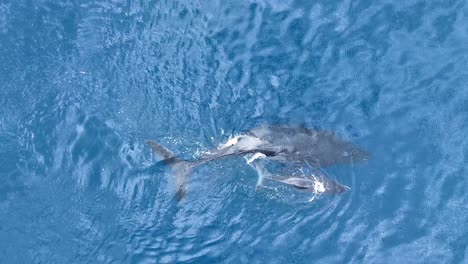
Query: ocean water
83	85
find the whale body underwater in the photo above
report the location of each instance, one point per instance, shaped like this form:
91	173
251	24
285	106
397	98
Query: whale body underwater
277	143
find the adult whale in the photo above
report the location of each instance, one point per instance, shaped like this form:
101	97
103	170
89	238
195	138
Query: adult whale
276	142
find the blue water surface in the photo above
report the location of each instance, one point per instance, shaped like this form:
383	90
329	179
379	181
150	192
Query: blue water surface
83	85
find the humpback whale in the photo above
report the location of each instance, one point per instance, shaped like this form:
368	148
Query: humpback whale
275	142
314	181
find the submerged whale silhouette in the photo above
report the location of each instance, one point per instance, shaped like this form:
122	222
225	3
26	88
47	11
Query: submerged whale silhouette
278	143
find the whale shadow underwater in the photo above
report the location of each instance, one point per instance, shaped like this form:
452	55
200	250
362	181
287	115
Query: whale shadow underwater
283	144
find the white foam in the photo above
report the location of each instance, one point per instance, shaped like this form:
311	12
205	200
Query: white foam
274	81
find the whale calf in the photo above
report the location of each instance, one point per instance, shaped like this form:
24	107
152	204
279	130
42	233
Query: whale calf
314	181
275	142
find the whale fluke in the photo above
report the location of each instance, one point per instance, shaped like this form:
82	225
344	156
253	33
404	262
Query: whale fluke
161	151
180	168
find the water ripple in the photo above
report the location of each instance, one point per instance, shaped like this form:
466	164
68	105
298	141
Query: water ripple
85	84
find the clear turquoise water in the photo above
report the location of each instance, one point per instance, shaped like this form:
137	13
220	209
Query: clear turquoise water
85	83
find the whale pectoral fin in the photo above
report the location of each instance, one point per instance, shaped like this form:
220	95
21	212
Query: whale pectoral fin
257	155
261	177
262	174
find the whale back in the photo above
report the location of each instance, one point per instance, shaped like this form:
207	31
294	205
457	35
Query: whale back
319	148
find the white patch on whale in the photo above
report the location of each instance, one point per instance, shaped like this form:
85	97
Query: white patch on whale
231	142
256	156
318	186
243	142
